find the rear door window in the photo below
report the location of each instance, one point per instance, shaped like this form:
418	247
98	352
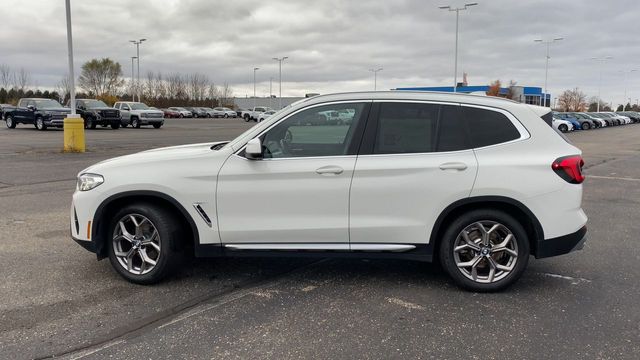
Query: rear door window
488	127
406	128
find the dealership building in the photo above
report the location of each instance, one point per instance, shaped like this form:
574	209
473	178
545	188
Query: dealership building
524	94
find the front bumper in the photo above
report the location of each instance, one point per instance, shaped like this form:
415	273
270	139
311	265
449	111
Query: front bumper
561	245
151	121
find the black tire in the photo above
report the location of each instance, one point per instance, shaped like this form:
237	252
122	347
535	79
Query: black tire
585	126
246	118
169	231
563	128
135	123
226	116
157	126
115	125
90	123
39	124
9	122
454	229
208	116
181	116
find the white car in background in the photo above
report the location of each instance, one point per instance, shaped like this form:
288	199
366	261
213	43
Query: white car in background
477	183
224	112
266	115
624	119
562	125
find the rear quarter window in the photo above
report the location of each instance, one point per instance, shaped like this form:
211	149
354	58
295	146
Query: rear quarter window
488	127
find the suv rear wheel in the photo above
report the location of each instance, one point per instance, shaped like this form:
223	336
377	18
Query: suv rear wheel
135	123
142	243
585	126
484	250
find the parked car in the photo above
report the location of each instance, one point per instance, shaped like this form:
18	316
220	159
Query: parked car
634	116
208	111
42	113
224	112
183	112
254	113
3	108
138	114
168	113
623	119
585	124
197	112
95	112
266	115
480	183
598	123
611	121
562	125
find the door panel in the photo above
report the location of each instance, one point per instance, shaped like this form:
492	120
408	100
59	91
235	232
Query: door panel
284	200
299	191
397	198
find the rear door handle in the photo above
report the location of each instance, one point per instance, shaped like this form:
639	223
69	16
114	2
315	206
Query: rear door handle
453	166
330	170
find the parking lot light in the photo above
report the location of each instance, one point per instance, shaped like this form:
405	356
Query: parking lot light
254	86
375	78
546	66
601	60
280	60
133	89
626	79
73	125
455	61
137	44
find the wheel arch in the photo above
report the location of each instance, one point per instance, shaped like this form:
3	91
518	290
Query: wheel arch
511	206
100	228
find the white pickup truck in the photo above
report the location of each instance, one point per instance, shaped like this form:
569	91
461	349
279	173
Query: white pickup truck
254	114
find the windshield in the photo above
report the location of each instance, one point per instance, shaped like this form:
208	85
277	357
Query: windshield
139	106
47	104
92	104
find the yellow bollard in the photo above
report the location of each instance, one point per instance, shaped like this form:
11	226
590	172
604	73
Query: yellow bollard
74	133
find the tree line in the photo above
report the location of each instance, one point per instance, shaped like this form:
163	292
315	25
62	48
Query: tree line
102	79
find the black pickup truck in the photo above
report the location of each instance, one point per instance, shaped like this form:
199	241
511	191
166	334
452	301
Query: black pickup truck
95	112
42	113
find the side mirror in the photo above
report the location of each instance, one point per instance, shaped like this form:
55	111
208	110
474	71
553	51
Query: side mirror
31	107
253	150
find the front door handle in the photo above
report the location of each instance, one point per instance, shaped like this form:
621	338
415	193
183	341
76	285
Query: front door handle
330	170
453	166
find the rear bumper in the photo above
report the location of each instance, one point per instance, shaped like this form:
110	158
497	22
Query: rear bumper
561	245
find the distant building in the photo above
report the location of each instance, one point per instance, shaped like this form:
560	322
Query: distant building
524	94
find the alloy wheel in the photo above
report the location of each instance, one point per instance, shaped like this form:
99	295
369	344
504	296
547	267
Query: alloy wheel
136	244
485	251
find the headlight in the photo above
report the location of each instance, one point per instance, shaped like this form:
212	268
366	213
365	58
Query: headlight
87	182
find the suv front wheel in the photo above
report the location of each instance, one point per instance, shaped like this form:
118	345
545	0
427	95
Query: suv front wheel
142	242
484	250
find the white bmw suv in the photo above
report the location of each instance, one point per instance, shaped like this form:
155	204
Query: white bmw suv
476	183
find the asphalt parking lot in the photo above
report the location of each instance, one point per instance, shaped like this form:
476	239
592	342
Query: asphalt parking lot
56	300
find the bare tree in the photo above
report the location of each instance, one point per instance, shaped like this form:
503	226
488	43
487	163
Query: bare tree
197	86
511	93
63	87
22	79
226	93
5	76
572	100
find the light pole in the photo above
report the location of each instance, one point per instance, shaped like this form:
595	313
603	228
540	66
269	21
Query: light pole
72	86
375	78
133	88
137	44
625	81
254	87
280	60
601	60
455	62
546	67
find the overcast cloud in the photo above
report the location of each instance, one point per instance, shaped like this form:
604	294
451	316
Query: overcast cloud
332	44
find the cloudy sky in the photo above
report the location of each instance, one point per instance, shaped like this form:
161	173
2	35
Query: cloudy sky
331	44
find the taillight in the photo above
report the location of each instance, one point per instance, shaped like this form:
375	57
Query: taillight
569	168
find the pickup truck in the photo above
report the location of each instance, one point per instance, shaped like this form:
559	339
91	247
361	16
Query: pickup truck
254	114
41	113
95	112
137	114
